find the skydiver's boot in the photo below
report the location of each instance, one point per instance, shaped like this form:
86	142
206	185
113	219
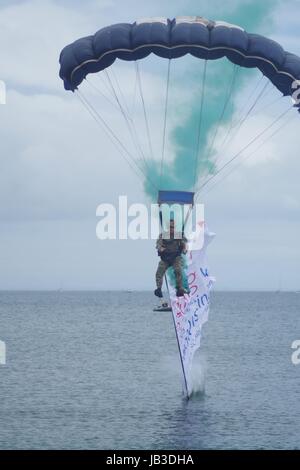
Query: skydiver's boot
158	292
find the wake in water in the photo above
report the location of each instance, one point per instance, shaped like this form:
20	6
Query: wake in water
198	377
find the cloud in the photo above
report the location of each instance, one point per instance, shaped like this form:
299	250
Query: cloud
57	165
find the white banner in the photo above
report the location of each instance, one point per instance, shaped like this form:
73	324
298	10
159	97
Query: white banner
191	311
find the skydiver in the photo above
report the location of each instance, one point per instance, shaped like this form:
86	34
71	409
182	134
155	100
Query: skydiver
170	250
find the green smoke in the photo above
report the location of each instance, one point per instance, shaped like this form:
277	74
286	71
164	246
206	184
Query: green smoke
221	77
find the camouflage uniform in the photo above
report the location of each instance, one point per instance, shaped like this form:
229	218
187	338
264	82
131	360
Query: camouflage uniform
171	256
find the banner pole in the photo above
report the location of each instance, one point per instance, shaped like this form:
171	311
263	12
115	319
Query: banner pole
181	360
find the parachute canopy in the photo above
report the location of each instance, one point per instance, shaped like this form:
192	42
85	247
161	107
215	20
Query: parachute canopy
175	38
184	135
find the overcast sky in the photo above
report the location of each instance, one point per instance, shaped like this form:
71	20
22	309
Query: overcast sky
57	165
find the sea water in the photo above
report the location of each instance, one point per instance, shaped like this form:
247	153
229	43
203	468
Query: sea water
100	370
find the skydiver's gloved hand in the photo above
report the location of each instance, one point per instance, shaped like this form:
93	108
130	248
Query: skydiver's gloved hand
158	292
180	292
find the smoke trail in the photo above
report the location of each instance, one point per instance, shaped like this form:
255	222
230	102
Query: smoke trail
179	171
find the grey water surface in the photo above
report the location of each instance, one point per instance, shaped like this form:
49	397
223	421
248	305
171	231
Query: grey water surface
100	370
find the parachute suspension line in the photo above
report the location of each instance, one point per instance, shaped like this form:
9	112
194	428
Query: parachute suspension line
119	88
250	96
200	122
133	104
263	108
100	121
165	123
113	103
241	121
96	115
112	136
139	83
104	83
137	141
262	93
232	124
98	90
91	111
245	147
128	122
227	100
250	154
